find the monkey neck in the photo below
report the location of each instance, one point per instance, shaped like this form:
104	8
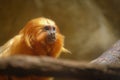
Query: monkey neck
42	48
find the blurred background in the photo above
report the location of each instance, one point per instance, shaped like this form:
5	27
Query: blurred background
90	26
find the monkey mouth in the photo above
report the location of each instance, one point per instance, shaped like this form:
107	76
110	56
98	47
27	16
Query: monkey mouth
51	38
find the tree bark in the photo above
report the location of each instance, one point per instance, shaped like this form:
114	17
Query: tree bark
23	66
109	57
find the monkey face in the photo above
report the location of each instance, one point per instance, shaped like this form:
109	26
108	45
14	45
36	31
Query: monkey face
51	33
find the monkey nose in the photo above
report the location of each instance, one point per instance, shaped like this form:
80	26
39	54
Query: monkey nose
52	36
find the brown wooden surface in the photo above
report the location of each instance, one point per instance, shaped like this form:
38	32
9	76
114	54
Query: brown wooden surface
22	66
109	57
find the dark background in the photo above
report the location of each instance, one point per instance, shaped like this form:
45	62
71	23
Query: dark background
90	26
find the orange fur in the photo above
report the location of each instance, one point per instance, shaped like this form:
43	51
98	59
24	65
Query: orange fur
32	41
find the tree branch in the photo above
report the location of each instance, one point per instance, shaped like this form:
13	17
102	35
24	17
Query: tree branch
110	57
22	66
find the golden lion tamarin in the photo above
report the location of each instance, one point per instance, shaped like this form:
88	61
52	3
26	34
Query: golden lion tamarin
40	36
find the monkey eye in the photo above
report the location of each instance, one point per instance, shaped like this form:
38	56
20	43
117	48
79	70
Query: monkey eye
46	28
54	28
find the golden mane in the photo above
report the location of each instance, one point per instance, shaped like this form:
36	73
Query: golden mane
33	27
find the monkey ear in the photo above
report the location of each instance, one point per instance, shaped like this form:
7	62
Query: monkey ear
27	33
27	36
27	39
64	50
